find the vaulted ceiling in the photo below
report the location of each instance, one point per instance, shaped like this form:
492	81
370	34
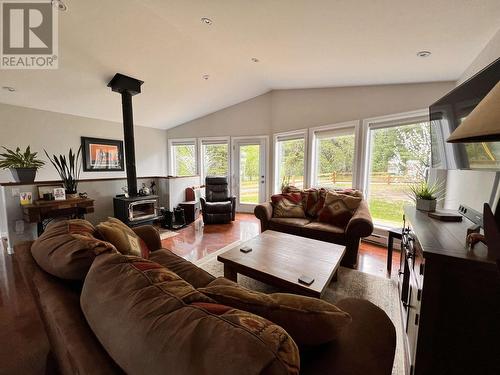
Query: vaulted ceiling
299	44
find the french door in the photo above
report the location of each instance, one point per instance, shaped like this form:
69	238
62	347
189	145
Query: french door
249	166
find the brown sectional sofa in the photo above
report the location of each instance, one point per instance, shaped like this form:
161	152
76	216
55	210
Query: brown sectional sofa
366	346
360	225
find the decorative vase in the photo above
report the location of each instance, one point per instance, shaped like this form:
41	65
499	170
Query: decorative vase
428	205
71	195
24	175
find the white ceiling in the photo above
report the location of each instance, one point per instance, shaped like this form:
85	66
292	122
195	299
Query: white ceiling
300	44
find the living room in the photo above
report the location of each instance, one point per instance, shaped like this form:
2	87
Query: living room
330	157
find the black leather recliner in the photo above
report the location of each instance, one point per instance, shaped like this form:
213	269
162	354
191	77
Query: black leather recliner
217	206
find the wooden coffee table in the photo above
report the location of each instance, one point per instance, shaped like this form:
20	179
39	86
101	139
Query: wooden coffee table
279	259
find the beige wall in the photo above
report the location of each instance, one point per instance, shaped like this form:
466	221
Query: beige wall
282	110
57	132
490	53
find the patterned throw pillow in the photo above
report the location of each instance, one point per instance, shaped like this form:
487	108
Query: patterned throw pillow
288	205
313	200
123	238
352	192
310	321
338	209
290	189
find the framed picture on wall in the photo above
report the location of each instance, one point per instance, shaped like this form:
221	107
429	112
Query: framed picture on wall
102	154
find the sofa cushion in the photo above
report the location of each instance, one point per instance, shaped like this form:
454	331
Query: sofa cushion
338	208
310	321
324	232
288	205
195	276
122	237
67	248
218	207
149	326
313	200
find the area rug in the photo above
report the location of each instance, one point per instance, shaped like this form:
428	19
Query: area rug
382	292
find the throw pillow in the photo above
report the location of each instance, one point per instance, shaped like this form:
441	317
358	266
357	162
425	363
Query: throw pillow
67	248
122	237
150	321
310	321
338	209
290	189
287	205
313	200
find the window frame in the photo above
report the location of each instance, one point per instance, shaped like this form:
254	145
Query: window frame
341	127
171	157
381	122
213	140
288	136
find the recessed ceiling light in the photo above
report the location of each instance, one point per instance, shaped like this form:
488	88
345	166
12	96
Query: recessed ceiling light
9	88
255	60
59	4
423	53
205	76
206	21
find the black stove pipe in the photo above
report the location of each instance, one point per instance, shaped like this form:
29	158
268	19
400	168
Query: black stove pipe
128	87
128	134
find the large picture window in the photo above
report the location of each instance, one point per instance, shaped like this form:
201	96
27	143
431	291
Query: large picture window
215	158
399	155
290	160
183	158
334	152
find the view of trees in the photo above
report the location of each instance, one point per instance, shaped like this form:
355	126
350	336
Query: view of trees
249	162
215	159
184	160
291	159
402	150
335	154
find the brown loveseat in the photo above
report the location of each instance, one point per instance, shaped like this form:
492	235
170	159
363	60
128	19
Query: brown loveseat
360	225
366	346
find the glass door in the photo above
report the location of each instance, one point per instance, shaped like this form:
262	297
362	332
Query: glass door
250	173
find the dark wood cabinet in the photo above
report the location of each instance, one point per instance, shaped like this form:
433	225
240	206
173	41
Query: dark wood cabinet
450	299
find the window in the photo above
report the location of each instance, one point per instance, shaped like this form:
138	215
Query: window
334	152
290	160
183	157
215	158
399	155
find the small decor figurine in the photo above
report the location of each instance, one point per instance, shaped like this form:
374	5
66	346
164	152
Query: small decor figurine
22	165
425	195
144	190
69	171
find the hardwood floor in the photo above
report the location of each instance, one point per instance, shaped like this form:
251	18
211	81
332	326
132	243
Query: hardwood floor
194	243
23	343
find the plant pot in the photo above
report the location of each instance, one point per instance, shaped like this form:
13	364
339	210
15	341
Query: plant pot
24	175
428	205
71	195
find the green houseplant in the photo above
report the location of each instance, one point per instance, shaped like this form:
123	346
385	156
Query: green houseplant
425	195
22	165
69	170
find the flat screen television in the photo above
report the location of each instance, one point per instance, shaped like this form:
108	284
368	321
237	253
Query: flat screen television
446	115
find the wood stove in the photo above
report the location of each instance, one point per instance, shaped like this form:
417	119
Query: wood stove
133	209
137	210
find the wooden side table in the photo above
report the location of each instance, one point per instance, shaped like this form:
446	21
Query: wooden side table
43	212
393	233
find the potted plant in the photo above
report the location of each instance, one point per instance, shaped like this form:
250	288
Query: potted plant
425	195
69	170
22	165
